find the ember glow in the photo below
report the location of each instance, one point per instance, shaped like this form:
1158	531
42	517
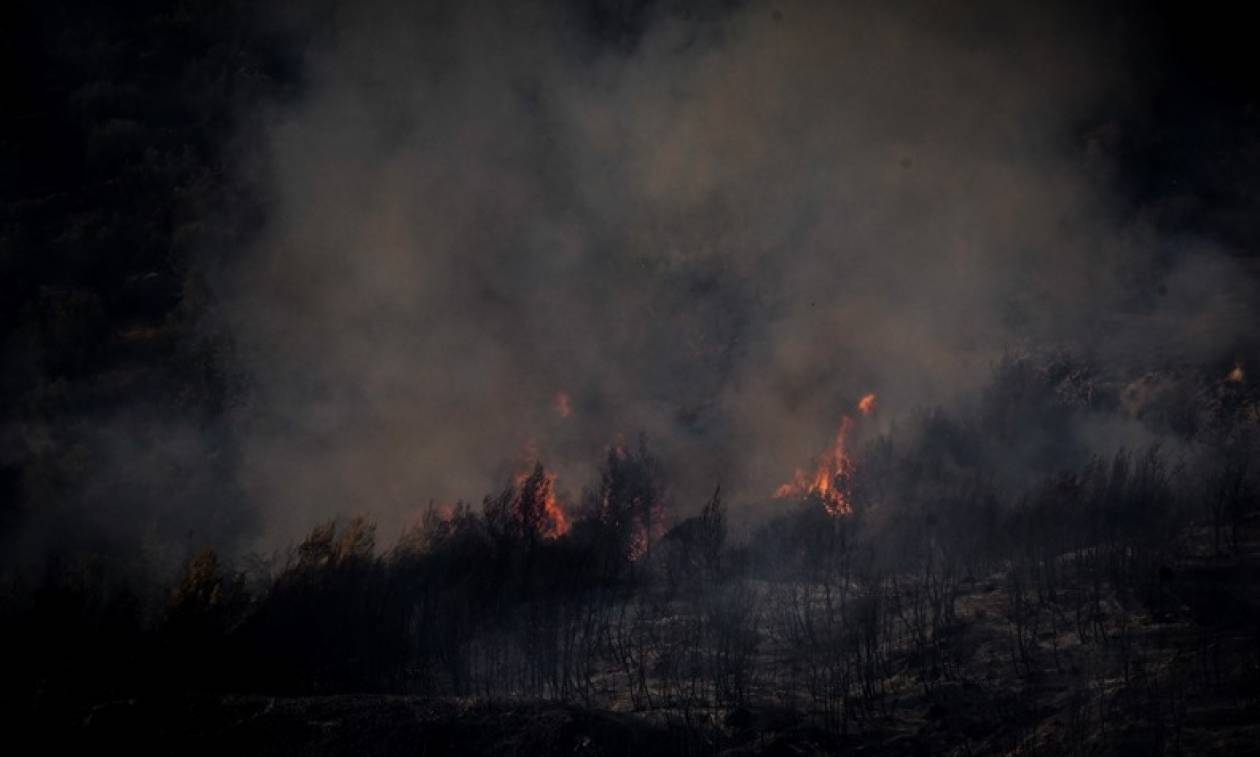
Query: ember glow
644	535
1235	376
562	404
868	404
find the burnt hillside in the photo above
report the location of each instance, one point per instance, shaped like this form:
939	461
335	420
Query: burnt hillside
630	376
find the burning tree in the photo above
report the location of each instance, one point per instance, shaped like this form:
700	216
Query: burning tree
529	507
628	508
831	480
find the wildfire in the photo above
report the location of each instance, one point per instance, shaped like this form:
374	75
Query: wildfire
562	404
554	521
1235	376
834	469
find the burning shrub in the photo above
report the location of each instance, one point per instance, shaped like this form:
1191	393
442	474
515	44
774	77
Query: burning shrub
528	509
627	509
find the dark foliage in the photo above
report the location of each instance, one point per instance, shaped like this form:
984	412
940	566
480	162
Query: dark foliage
1126	579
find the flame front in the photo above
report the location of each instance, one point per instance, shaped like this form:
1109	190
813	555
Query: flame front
827	481
831	475
555	521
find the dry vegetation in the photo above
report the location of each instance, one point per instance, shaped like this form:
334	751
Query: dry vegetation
999	580
1107	609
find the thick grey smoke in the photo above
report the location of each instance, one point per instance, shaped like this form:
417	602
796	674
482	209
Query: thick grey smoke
720	235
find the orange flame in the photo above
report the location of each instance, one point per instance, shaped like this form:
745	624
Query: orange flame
1235	376
829	481
833	468
555	519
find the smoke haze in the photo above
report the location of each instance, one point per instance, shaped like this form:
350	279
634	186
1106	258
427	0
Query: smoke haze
719	234
267	264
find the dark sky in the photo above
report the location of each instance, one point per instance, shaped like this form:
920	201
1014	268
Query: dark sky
267	263
1191	146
